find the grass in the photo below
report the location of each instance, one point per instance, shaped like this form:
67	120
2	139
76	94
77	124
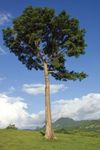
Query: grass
32	140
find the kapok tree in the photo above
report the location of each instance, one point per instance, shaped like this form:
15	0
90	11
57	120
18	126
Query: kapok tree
44	40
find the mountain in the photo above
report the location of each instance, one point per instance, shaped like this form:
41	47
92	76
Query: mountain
63	123
70	124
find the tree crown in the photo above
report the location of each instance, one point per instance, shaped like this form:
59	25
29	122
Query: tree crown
39	35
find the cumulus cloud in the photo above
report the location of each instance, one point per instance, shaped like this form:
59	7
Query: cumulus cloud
38	119
4	17
13	110
86	107
36	89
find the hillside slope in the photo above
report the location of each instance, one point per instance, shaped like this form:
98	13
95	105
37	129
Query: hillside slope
32	140
70	124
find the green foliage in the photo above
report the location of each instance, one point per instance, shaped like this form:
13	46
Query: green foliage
64	125
64	131
39	35
11	126
31	140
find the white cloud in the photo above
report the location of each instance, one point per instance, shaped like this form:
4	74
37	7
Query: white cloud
4	17
2	52
86	107
38	119
36	89
13	110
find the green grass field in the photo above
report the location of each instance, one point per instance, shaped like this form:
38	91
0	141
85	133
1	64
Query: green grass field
32	140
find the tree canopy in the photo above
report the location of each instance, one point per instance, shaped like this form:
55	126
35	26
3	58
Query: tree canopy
40	35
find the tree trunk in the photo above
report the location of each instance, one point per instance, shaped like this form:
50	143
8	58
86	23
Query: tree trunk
49	134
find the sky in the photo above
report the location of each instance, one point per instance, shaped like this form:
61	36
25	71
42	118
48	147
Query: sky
22	91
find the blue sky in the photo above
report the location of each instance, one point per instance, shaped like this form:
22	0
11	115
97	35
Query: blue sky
14	75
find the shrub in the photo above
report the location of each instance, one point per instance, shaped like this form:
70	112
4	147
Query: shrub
11	126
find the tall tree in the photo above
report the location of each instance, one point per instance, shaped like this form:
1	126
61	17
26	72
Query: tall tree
43	40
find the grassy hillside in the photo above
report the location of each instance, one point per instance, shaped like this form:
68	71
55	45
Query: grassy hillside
70	124
63	123
31	140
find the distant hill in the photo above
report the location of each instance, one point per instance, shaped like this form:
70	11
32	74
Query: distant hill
70	124
63	123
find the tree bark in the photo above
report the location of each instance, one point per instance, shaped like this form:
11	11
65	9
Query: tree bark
49	134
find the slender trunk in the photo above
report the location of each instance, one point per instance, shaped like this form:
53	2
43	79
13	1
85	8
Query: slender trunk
49	134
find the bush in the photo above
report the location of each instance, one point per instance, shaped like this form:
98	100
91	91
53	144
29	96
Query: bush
62	131
11	126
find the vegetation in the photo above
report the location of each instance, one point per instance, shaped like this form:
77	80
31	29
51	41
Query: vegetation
43	40
65	125
31	140
11	126
68	125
